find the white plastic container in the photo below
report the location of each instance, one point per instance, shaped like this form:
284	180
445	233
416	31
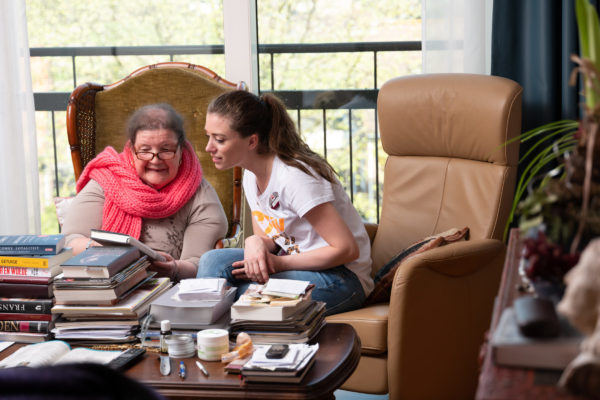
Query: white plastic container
212	343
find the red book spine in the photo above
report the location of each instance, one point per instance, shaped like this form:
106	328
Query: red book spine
34	280
25	317
24	326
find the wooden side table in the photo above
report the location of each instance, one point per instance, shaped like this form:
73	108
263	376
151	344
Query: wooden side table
503	383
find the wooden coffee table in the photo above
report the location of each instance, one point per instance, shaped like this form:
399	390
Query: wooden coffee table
336	360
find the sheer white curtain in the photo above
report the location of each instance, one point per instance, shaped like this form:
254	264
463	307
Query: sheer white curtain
457	36
19	198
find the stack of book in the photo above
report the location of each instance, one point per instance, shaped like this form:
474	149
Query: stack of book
282	311
291	368
118	323
28	266
190	306
97	278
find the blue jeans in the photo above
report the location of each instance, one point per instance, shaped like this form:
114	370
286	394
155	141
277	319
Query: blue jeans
338	287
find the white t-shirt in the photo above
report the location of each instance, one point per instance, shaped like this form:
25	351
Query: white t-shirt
290	194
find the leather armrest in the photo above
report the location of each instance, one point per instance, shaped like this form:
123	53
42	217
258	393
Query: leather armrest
440	307
457	259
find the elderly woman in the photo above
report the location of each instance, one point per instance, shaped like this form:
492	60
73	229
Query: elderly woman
153	191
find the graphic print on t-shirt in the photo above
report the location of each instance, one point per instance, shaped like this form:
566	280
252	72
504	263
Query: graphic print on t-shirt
275	229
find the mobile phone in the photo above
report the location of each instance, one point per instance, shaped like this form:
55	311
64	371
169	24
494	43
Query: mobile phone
277	351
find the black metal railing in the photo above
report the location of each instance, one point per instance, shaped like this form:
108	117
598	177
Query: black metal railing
349	99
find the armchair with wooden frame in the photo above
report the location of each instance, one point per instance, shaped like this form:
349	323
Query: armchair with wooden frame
97	116
447	167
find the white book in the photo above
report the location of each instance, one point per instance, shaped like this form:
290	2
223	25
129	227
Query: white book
112	238
511	348
180	311
55	352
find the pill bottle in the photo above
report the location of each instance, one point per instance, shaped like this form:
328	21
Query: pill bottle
165	330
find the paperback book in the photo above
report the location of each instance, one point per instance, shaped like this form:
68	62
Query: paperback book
100	261
23	272
112	238
28	261
56	352
31	244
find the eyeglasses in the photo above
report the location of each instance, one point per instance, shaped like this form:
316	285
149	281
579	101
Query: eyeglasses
149	156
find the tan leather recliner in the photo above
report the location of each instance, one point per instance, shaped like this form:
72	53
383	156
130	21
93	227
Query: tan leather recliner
446	168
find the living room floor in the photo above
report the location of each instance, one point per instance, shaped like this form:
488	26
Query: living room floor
346	395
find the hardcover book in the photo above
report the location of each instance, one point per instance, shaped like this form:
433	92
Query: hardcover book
100	261
510	347
25	326
31	244
47	261
27	306
25	317
112	238
26	290
102	283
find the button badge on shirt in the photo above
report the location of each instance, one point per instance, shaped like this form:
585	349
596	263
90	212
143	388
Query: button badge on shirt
274	200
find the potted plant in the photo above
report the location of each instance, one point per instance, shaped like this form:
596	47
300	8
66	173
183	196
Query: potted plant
564	202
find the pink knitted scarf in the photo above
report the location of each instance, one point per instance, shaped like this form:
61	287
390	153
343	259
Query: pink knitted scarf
128	199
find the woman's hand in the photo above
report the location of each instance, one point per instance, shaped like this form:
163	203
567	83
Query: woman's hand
174	269
81	243
166	268
258	261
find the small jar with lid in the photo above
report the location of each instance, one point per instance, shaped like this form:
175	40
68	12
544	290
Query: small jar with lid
165	330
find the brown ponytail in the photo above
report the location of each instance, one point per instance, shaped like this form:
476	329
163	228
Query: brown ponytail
267	116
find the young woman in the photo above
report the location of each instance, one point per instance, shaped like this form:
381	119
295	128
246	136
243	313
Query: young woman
305	226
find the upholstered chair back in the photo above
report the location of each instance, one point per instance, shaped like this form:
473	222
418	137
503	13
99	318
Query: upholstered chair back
448	165
97	117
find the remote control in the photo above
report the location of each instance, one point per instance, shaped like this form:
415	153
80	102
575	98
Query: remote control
126	358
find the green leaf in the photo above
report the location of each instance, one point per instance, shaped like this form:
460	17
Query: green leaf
581	12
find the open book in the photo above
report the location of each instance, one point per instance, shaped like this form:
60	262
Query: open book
113	238
55	352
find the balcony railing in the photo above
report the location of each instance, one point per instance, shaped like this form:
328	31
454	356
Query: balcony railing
299	102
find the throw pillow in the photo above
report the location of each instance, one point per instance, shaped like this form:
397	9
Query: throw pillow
385	276
62	205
